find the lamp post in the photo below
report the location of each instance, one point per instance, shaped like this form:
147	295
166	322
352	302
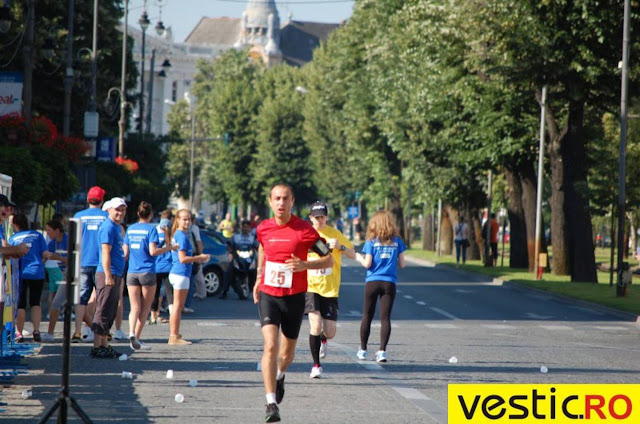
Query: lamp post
68	77
123	87
623	149
144	24
192	108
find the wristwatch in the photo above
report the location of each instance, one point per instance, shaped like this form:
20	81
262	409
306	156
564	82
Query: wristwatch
343	248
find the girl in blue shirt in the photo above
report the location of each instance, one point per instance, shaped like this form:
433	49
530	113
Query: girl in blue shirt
31	274
141	248
180	274
381	255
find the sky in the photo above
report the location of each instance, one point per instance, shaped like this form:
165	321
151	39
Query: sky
183	15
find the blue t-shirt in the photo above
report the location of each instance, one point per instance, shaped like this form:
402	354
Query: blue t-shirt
1	231
164	261
139	236
91	220
59	249
181	239
31	264
384	265
111	233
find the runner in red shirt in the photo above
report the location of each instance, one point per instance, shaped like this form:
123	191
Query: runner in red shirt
280	288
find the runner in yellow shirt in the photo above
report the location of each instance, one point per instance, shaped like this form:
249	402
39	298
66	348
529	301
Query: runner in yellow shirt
226	226
324	287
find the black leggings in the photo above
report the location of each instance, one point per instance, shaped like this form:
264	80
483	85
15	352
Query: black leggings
387	293
35	291
160	277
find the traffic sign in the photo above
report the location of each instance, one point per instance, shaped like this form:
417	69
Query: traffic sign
353	212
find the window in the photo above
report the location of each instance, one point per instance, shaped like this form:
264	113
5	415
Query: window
174	91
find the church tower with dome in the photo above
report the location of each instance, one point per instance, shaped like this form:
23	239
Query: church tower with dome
260	30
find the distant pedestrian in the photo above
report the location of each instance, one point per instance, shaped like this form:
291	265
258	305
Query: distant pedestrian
163	265
461	240
56	269
381	255
31	274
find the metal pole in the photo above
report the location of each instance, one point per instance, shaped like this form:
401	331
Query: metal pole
94	62
193	141
68	79
488	260
123	86
141	114
623	146
153	62
439	224
543	111
27	95
613	245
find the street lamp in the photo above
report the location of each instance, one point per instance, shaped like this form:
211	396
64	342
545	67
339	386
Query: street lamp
191	100
144	24
163	73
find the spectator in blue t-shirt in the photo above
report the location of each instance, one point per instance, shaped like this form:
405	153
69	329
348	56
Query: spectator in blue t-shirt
31	274
91	218
180	274
55	268
6	210
109	273
141	247
381	255
163	266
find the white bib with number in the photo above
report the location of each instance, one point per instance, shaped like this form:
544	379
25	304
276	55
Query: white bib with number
319	272
277	275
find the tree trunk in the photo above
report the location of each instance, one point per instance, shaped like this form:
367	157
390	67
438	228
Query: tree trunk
518	257
528	182
427	228
476	246
446	229
396	211
576	205
560	259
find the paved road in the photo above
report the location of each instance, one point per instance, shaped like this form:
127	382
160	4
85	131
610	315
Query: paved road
496	333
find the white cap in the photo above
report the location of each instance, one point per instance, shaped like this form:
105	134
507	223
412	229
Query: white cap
116	202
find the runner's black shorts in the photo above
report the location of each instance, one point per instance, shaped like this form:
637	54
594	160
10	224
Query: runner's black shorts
286	312
327	306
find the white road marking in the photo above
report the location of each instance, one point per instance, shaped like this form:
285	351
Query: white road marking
409	393
371	366
611	328
406	296
354	313
212	324
421	303
533	315
378	325
444	313
442	325
465	291
498	326
556	327
259	367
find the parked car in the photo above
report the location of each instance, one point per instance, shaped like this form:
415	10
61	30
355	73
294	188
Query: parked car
215	244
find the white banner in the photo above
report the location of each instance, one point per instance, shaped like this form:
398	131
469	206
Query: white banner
10	93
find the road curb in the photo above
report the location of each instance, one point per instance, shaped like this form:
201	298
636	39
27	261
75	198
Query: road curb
627	316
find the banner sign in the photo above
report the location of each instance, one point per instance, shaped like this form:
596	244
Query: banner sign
544	403
10	93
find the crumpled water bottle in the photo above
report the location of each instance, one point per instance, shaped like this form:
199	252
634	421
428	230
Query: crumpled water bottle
169	374
127	375
193	383
179	398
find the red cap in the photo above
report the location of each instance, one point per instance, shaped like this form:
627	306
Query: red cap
95	193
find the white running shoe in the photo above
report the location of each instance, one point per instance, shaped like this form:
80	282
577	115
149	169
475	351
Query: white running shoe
143	345
85	332
119	335
323	350
187	310
316	372
362	354
46	337
89	337
381	356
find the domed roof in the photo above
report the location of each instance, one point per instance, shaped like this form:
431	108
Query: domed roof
258	12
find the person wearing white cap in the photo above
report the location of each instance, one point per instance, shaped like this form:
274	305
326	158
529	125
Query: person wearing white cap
108	277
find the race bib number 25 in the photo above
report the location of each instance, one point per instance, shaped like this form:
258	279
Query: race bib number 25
277	275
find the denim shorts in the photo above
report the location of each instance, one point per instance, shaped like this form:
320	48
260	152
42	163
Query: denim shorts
87	283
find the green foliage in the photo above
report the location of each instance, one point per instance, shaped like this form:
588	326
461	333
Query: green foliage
114	179
28	175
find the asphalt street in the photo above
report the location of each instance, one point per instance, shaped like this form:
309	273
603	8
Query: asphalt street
497	334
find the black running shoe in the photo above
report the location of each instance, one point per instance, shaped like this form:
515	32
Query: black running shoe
95	352
279	390
133	342
111	352
273	415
